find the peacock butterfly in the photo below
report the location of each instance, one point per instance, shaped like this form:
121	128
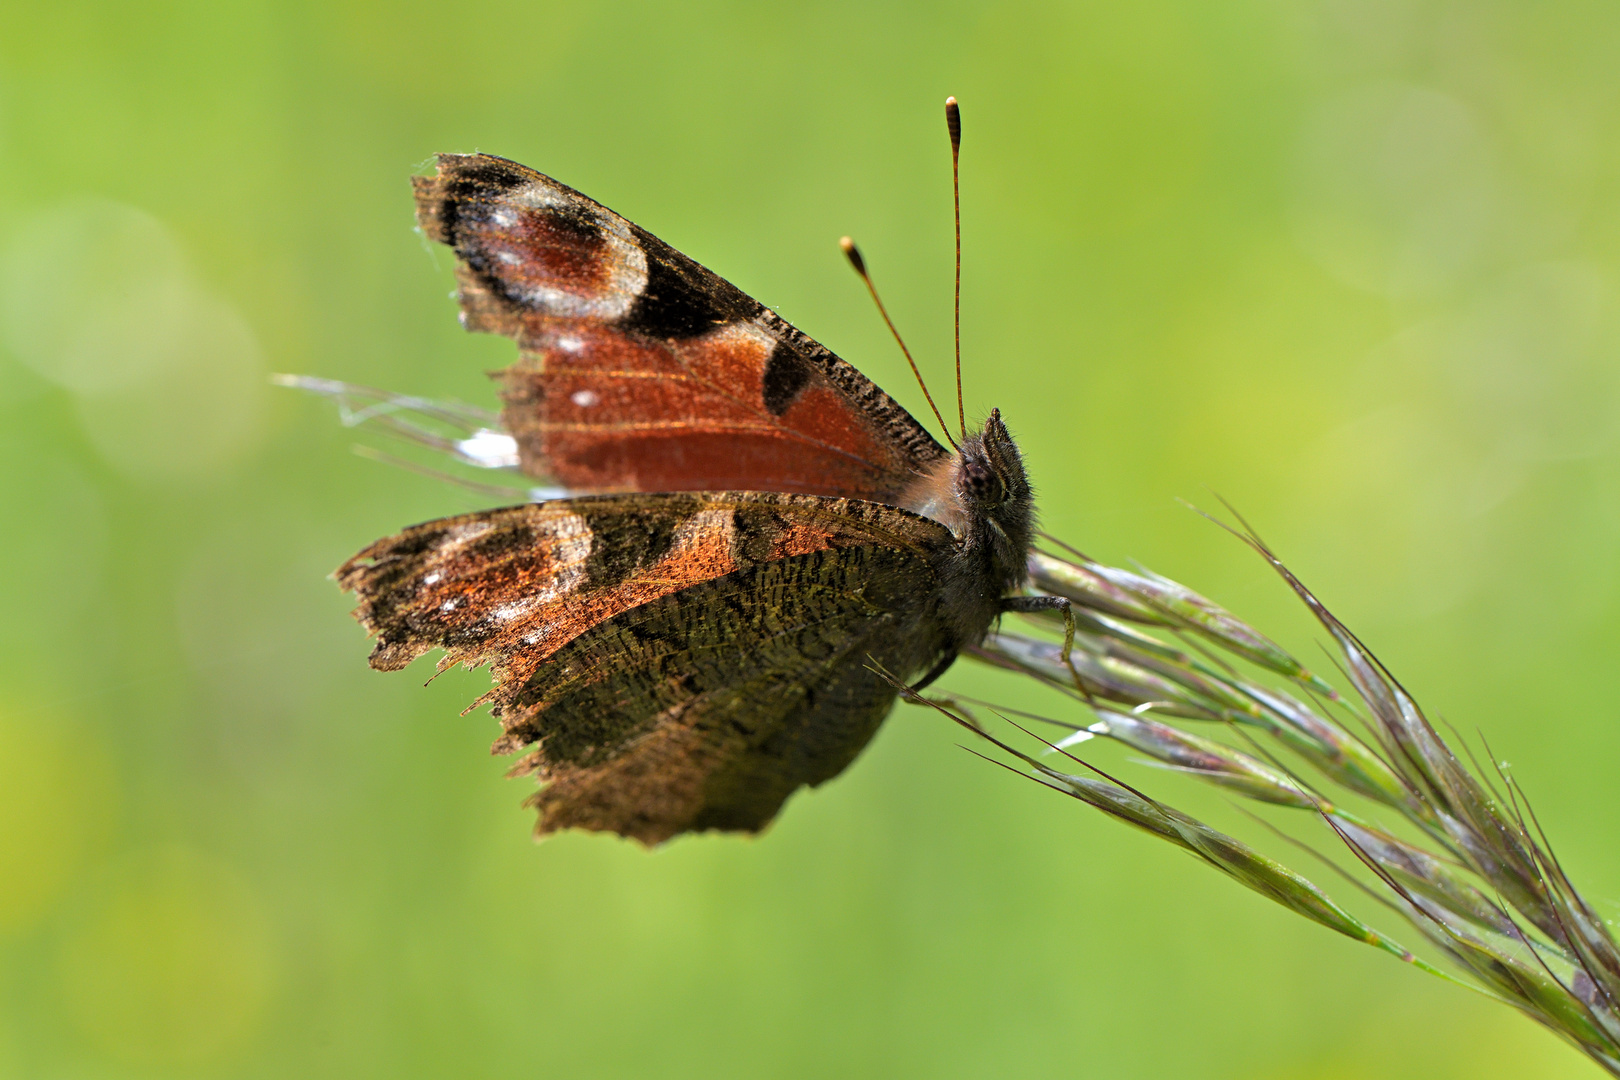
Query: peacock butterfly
756	544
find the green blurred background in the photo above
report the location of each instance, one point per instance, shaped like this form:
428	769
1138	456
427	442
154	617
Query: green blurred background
1351	264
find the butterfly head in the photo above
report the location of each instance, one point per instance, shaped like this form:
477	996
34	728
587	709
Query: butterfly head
989	469
993	490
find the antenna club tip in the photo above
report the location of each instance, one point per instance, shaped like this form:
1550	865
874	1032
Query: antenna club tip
950	103
853	254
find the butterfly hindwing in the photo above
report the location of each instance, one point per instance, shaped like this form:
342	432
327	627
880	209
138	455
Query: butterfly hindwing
708	708
674	662
639	369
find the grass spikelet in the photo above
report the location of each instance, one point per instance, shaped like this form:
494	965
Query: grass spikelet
1462	860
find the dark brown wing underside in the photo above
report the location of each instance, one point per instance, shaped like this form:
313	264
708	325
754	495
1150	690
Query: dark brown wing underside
708	708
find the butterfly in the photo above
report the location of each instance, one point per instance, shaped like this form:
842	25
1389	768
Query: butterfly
758	549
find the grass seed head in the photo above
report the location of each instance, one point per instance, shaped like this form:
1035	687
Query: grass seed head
1468	867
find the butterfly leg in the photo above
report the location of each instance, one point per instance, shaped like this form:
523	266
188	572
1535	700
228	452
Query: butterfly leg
934	672
1028	605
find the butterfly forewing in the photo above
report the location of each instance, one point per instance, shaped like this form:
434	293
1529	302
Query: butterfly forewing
640	370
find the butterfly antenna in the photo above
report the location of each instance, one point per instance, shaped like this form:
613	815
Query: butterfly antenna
953	124
853	253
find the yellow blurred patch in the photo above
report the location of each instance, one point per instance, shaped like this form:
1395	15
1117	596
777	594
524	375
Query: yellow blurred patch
56	794
1411	1038
174	967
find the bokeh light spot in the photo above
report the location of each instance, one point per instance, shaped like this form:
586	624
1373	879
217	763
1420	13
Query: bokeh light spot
198	414
91	293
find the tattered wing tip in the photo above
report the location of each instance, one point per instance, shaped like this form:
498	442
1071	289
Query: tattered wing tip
347	576
482	311
389	656
553	819
429	192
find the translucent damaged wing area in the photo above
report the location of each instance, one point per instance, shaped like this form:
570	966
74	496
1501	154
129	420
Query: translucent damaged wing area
640	370
671	662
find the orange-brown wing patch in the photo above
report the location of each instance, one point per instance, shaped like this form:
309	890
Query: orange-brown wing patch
606	410
641	370
511	586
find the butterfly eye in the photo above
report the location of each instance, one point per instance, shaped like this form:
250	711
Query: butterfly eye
981	480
